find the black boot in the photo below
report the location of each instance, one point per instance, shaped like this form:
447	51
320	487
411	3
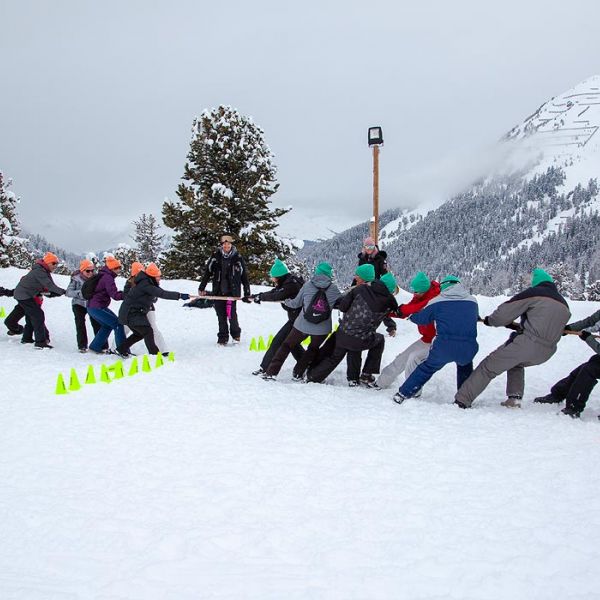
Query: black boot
571	412
547	399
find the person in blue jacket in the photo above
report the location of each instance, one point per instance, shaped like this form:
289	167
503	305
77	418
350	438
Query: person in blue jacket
455	314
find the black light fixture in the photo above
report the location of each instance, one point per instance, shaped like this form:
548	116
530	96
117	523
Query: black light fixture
375	136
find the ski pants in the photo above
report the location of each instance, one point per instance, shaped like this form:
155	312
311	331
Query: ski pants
297	351
295	337
408	360
512	357
441	353
228	323
140	332
577	386
35	321
108	322
12	321
79	312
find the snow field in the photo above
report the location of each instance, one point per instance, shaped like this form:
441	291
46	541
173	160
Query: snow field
199	480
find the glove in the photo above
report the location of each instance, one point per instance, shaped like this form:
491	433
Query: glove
584	335
567	328
257	299
247	299
486	321
184	296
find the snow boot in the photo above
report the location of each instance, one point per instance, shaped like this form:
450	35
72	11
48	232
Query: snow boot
258	371
268	377
368	380
461	405
513	401
571	412
547	399
298	378
43	346
398	398
353	383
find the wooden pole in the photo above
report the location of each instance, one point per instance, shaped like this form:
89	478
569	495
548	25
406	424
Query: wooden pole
375	220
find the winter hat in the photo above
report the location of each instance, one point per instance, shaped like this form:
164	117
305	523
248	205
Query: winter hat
136	267
539	276
390	283
112	263
153	270
448	281
420	283
365	272
86	264
278	269
369	241
324	269
50	258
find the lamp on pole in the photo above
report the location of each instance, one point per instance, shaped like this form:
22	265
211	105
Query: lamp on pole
375	140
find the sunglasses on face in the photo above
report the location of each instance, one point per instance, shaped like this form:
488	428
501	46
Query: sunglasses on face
53	264
88	270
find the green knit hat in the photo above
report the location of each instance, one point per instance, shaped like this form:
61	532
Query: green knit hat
420	283
324	269
365	272
390	283
448	281
539	276
278	269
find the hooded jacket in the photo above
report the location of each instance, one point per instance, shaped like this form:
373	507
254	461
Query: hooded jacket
228	274
36	282
304	298
74	289
288	286
105	290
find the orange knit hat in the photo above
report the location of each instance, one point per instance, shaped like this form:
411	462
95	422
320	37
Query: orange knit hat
50	258
86	264
112	263
153	270
136	267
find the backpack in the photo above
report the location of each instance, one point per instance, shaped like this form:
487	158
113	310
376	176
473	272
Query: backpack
318	310
89	286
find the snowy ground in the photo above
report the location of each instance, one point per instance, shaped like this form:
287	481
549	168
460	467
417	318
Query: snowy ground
199	480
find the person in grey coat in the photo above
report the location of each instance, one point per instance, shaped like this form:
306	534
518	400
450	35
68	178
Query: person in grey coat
303	326
36	283
543	313
79	303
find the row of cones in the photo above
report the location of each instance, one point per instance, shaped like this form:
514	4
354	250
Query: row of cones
117	369
260	346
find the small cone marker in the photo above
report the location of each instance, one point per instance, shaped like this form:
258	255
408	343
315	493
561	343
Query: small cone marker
253	347
146	364
104	376
61	388
133	369
74	384
171	357
306	342
261	344
2	312
90	376
159	361
118	370
270	341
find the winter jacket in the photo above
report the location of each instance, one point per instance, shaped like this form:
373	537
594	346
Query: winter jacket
140	299
74	289
287	286
304	298
455	314
6	292
591	324
417	303
228	274
36	282
105	290
377	259
364	307
542	310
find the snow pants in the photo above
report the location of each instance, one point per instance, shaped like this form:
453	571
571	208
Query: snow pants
140	332
228	323
297	351
577	386
441	353
35	322
295	337
12	321
408	360
512	357
79	312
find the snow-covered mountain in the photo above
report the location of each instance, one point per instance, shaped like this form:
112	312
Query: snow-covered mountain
538	205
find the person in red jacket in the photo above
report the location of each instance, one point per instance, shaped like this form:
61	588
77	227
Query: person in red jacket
410	358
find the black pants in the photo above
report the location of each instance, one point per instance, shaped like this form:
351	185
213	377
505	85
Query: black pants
577	386
12	321
353	361
140	332
35	322
297	351
82	339
227	326
294	338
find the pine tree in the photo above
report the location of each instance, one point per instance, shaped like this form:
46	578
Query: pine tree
13	249
227	183
127	255
149	243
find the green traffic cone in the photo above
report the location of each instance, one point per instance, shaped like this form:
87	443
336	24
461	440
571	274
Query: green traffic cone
133	369
104	376
2	312
61	388
261	344
270	341
146	364
253	347
118	370
159	361
90	376
171	357
74	384
306	342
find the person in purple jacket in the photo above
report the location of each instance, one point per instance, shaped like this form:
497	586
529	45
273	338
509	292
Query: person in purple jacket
97	306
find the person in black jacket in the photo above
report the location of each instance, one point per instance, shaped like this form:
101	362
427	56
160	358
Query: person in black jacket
134	309
364	307
227	270
12	321
286	286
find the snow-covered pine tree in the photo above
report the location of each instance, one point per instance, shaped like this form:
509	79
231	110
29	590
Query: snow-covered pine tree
566	281
148	241
127	255
227	184
592	292
13	249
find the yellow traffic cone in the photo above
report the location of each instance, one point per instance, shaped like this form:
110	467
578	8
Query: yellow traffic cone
306	342
118	370
159	361
61	388
74	384
270	341
253	347
104	376
171	357
146	364
2	312
133	369
90	376
261	344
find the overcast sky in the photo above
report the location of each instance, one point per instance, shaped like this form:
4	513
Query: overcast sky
97	98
